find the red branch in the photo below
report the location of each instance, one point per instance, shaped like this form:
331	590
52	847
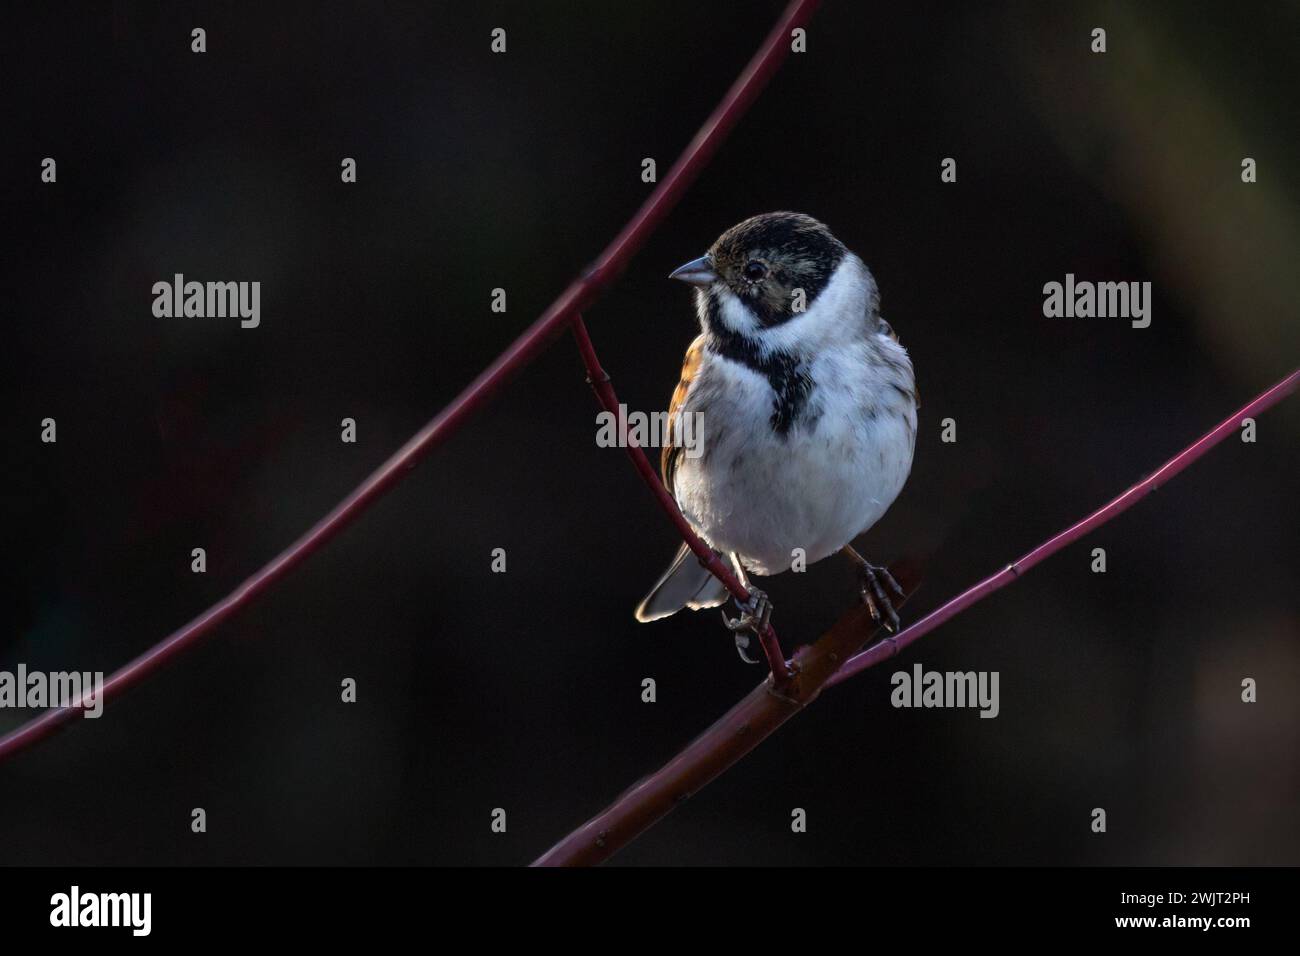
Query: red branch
892	645
604	389
581	293
766	708
735	734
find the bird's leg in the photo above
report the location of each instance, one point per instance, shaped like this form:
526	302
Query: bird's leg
753	619
873	584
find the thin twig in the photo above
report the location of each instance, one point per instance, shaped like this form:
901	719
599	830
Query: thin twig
765	709
581	293
604	389
892	645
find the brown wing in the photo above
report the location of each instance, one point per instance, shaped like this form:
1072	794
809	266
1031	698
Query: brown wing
671	454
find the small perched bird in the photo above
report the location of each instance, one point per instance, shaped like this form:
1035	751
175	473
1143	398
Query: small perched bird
807	404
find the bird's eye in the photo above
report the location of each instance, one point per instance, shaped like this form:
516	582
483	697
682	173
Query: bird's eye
755	270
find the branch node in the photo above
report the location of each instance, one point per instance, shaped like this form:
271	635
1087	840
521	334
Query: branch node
594	275
777	690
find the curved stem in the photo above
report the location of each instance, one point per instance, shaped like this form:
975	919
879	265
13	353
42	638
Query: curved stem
604	389
580	293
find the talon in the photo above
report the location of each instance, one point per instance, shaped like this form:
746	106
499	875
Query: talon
891	583
753	620
871	605
872	586
744	646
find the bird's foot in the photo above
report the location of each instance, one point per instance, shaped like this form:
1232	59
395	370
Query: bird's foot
751	623
874	584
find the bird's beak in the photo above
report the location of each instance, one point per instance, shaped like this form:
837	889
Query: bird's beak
696	272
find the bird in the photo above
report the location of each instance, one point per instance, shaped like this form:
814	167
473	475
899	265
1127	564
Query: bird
806	405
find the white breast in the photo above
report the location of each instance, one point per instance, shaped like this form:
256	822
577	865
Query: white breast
830	478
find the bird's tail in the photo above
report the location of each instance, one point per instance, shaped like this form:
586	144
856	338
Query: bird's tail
686	583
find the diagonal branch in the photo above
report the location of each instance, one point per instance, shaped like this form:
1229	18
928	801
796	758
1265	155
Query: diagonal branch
580	293
892	645
604	389
736	733
766	708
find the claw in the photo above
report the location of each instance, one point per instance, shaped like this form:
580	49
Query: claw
891	583
752	621
872	586
744	647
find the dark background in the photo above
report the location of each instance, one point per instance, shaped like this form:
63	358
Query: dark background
522	690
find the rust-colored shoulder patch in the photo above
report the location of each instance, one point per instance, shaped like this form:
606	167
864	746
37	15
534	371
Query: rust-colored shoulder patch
690	366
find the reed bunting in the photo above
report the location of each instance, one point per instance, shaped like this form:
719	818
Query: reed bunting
808	407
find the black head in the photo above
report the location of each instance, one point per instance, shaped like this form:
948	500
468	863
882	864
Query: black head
776	264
